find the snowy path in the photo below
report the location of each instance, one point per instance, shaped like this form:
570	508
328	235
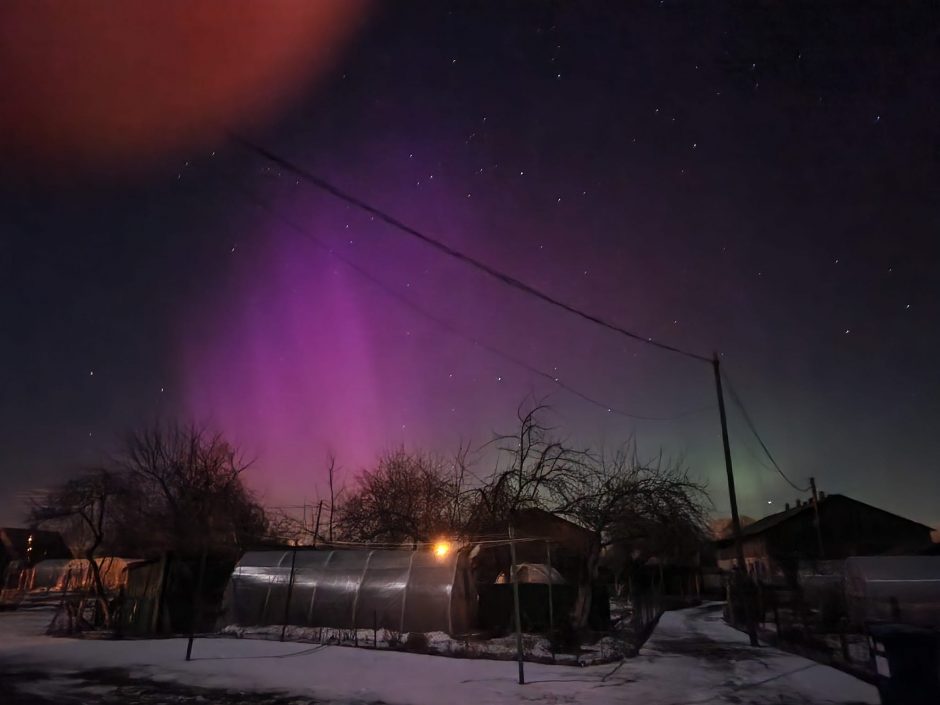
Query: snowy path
692	658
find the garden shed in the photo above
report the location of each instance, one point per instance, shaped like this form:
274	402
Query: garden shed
400	590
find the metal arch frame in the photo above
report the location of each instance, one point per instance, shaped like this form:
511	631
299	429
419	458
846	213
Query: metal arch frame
267	594
450	594
362	577
313	594
404	592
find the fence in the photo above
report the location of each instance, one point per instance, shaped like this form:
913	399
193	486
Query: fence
638	606
810	621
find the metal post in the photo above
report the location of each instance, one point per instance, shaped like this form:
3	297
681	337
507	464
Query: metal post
515	600
732	496
551	606
197	603
290	591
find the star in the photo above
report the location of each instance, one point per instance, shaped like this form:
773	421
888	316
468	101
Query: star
91	373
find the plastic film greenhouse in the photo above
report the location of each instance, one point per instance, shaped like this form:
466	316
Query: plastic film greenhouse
407	591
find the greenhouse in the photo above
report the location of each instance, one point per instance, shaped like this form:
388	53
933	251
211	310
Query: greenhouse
401	590
893	589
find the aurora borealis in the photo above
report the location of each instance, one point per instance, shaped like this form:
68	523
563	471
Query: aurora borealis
726	179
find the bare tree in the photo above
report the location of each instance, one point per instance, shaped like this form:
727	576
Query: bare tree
407	498
85	500
640	509
187	486
533	469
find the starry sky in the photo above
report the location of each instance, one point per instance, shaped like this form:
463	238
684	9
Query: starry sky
757	180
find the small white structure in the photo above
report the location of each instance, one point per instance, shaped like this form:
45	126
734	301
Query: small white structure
538	573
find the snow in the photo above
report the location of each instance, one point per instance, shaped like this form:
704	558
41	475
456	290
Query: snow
536	647
692	657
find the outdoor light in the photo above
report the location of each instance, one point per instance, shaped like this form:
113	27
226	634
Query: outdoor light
441	549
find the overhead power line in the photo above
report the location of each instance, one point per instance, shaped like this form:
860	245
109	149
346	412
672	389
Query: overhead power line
750	424
390	291
506	279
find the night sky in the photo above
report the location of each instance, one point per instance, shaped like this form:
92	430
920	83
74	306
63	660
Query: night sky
755	179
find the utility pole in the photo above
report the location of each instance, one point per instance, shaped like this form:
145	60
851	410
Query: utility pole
735	518
316	529
812	484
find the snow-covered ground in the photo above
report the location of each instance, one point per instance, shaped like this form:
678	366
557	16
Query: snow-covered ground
692	657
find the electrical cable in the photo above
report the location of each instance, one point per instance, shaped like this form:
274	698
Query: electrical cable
506	279
390	291
750	424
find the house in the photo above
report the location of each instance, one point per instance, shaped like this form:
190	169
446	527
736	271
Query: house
29	546
775	545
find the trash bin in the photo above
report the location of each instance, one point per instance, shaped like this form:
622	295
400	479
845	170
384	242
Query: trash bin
913	655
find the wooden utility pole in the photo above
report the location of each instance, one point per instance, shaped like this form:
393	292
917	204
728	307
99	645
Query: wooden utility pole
735	518
316	529
819	541
515	600
332	497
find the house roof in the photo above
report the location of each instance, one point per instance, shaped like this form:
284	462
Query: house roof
773	520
